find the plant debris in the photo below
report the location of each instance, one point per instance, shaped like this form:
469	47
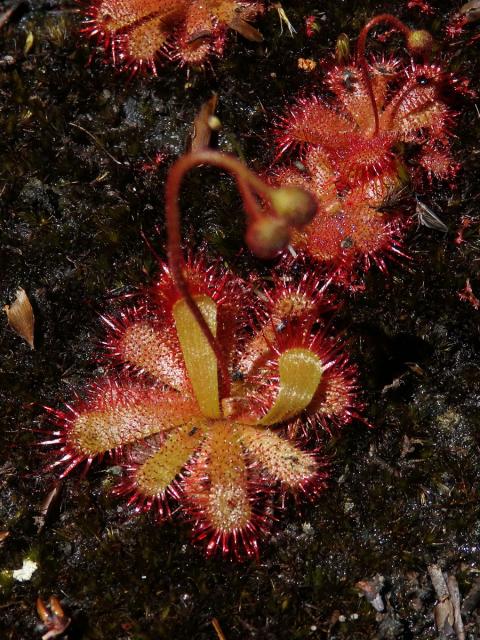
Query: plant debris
448	618
20	317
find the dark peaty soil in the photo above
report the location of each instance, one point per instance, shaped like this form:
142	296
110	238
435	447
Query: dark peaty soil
403	494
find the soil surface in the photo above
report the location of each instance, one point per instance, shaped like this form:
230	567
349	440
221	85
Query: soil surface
78	183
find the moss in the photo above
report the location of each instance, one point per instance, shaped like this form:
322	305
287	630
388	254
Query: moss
74	197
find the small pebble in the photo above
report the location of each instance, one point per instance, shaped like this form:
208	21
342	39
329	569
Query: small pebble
26	572
7	61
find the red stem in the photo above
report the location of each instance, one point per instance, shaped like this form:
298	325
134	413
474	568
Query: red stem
361	45
247	183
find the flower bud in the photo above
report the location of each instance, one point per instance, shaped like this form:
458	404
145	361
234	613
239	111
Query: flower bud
294	205
420	42
266	237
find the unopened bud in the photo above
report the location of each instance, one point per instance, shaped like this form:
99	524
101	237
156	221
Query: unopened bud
420	42
294	205
214	123
266	237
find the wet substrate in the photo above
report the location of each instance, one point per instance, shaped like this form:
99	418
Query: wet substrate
78	182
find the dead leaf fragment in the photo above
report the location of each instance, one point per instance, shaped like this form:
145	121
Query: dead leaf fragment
218	629
245	29
372	590
53	617
470	11
454	592
202	129
20	316
447	613
47	504
28	42
284	19
306	64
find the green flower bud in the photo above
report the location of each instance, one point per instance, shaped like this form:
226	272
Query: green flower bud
267	237
420	42
294	205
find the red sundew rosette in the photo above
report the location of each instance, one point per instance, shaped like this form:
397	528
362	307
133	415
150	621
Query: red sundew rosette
349	149
218	451
137	32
